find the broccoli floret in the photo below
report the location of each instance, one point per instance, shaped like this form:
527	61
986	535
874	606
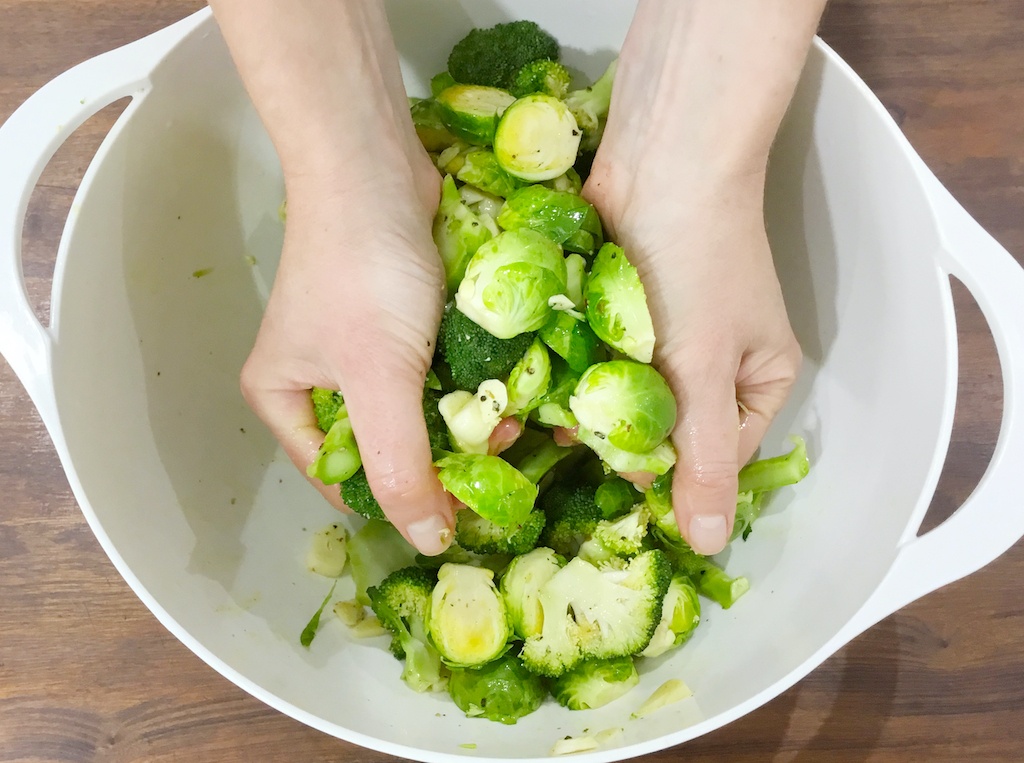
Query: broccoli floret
543	76
482	536
572	516
473	354
616	539
492	56
437	432
356	493
590	107
595	683
401	602
593	614
326	404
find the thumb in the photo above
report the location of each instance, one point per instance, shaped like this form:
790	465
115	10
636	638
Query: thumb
705	482
386	411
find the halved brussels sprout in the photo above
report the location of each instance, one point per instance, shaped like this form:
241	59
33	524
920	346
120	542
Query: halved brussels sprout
480	169
537	138
471	112
629	404
489	485
572	339
657	460
564	217
617	305
466	619
509	280
529	380
458	233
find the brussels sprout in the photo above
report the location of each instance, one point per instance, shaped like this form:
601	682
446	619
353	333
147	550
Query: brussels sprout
466	619
489	485
680	615
471	112
572	339
565	218
521	584
458	233
471	417
502	691
570	182
338	457
529	380
616	497
441	82
536	138
553	410
509	280
657	460
480	169
595	683
617	305
426	118
627	403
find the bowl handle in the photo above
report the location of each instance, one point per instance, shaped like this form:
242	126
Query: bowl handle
28	140
991	520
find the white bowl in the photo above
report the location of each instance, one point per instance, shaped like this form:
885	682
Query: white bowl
136	380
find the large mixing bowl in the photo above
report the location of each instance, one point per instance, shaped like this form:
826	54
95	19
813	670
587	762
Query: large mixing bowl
136	380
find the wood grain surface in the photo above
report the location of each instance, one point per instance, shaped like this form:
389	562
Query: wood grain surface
87	674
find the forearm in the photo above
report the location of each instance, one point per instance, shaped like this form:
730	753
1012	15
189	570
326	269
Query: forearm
325	80
724	72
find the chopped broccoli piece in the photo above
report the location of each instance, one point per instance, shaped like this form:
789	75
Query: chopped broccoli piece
615	539
326	404
474	354
590	107
593	614
400	602
572	516
437	432
711	580
542	76
482	536
773	473
356	493
502	690
494	55
595	683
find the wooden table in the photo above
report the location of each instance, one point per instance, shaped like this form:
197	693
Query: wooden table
87	674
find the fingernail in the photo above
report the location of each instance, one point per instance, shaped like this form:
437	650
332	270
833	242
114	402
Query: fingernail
708	533
431	535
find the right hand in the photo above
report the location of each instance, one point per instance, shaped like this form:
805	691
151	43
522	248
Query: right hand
355	307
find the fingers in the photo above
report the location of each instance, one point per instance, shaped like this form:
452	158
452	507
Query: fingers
707	441
387	415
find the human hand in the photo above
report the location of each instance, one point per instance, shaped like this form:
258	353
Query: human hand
355	307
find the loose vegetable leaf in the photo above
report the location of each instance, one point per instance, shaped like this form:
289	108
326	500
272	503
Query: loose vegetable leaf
309	632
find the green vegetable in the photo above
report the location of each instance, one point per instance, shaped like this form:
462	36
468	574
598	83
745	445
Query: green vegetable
564	217
495	55
616	497
680	615
543	76
375	551
509	281
338	457
573	340
617	305
502	691
326	405
595	683
473	353
482	536
401	601
529	380
590	107
572	517
629	404
489	485
309	632
711	580
521	585
773	473
536	138
466	618
624	535
471	112
554	406
540	461
441	82
657	461
430	129
480	169
458	232
594	614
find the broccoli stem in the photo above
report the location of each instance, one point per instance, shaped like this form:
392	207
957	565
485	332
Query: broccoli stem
539	462
711	580
772	473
